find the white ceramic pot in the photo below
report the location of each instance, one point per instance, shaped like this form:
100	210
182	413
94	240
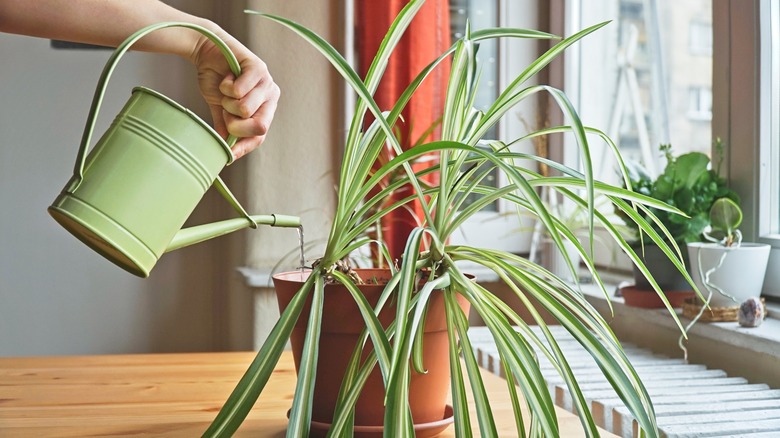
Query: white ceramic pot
741	275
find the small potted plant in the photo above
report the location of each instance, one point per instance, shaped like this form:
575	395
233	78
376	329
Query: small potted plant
428	281
725	267
690	183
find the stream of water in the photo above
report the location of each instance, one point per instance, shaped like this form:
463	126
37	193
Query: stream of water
300	242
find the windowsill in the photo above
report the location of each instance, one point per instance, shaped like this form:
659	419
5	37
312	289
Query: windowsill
716	345
752	353
763	339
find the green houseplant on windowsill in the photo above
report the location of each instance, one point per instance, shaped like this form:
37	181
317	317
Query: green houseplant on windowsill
691	183
396	348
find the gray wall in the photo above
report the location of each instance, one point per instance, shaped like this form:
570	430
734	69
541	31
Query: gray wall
56	295
59	297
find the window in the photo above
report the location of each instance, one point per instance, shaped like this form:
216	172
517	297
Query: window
700	103
480	15
770	119
644	87
752	121
700	38
492	227
738	80
769	149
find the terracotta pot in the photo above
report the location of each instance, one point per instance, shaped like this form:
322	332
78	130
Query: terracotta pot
341	327
649	299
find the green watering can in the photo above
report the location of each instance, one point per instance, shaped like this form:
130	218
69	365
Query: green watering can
130	196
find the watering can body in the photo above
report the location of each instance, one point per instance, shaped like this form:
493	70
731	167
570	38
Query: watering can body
130	196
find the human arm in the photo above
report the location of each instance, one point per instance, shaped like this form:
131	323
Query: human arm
242	106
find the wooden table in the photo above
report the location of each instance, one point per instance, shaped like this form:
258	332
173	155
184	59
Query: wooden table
163	395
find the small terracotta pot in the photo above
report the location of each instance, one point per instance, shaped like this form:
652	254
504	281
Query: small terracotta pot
649	299
341	327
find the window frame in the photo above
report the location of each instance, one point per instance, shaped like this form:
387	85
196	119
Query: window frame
743	116
769	151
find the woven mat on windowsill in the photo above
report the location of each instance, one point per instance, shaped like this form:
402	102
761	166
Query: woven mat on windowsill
692	306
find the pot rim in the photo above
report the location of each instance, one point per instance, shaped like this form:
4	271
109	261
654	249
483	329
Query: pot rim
747	246
301	275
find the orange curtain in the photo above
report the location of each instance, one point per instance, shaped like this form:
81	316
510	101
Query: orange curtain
426	38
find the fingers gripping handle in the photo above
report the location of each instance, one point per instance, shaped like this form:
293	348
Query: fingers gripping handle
100	91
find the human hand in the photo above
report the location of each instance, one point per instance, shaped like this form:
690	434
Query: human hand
243	107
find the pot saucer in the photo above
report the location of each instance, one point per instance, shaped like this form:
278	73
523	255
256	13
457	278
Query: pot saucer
649	299
422	430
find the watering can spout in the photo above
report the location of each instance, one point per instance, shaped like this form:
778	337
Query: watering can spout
200	233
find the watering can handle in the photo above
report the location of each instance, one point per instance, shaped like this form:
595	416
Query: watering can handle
100	92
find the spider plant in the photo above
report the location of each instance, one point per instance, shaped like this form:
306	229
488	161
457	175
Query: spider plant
362	191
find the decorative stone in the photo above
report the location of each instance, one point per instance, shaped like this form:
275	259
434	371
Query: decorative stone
751	313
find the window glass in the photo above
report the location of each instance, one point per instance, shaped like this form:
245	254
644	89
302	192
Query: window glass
770	121
750	74
646	78
768	205
700	38
499	61
480	15
700	103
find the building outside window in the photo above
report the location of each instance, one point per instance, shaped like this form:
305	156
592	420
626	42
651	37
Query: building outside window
644	85
634	79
